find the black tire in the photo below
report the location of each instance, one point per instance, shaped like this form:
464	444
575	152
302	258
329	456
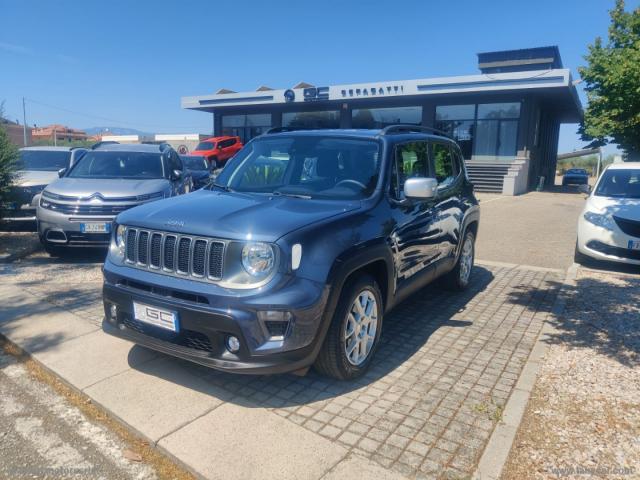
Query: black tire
580	258
332	359
456	279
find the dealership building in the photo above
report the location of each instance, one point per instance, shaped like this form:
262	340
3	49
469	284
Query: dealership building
505	119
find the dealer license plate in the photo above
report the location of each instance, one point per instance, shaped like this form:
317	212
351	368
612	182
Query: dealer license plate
102	227
156	316
634	244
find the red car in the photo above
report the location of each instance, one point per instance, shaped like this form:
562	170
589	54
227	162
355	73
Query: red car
218	149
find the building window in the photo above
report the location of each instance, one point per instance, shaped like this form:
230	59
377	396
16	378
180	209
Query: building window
382	117
246	126
497	130
458	121
320	119
484	131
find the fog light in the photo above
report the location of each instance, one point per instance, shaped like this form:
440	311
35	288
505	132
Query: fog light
233	344
113	311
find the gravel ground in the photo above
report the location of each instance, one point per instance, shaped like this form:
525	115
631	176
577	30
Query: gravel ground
583	419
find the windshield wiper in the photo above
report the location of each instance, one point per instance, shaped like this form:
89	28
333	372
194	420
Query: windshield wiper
292	195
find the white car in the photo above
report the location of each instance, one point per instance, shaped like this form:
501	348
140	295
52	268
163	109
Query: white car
609	226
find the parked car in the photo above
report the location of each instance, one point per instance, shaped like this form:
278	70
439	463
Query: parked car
77	210
37	167
198	168
217	150
297	251
575	176
609	226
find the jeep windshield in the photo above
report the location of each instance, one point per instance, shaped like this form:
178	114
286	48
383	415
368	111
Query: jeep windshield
304	167
127	165
44	160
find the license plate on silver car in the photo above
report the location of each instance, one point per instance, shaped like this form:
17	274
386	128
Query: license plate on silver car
156	316
101	227
634	245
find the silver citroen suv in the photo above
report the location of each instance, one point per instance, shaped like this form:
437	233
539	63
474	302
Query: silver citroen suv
78	209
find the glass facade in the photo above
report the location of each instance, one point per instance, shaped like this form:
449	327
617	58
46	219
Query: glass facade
246	126
382	117
484	131
319	119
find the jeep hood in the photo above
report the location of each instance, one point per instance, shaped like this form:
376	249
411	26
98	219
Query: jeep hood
233	215
108	188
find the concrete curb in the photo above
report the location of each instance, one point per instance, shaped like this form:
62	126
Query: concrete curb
498	447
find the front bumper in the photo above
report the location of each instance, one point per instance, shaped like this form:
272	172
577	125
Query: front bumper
64	230
208	314
607	245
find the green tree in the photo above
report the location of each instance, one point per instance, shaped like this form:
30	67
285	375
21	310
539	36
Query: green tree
612	79
8	159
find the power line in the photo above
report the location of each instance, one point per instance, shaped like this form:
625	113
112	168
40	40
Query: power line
107	119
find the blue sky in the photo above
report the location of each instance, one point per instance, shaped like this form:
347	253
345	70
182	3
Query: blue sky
129	62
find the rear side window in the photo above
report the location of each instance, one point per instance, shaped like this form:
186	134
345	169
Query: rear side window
445	168
411	162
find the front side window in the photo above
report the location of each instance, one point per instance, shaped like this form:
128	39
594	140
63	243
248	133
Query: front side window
445	168
619	183
127	165
411	161
305	166
42	160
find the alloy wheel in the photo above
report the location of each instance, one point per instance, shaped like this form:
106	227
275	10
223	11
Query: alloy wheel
466	260
360	327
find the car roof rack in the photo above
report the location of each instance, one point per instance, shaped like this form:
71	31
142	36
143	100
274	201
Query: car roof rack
404	128
100	144
284	129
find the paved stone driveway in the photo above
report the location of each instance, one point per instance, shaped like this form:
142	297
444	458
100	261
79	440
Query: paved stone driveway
445	368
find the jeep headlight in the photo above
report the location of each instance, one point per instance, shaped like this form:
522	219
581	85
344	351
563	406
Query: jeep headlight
600	220
258	259
119	239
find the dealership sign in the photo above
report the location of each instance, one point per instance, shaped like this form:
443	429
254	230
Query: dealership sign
378	91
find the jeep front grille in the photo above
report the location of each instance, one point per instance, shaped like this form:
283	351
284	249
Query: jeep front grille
180	255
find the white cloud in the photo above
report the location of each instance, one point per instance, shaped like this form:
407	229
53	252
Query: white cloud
13	48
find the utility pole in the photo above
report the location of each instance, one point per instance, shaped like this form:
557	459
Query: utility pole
55	138
599	163
24	122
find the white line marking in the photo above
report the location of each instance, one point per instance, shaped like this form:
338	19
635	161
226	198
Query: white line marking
104	441
57	453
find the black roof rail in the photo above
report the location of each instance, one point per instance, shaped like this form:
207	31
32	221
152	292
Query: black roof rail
402	128
100	144
285	129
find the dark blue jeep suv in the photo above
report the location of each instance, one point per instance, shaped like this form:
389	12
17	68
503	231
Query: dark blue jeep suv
292	257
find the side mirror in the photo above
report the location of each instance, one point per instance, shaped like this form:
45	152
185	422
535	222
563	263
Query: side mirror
420	188
586	189
61	172
176	175
219	147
